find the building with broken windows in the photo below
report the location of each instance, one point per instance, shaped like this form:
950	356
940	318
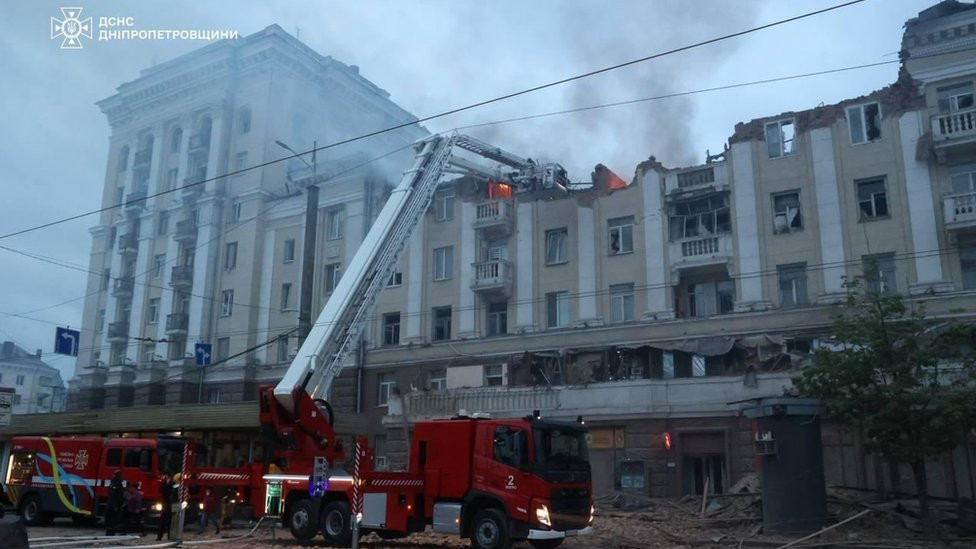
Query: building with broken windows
661	306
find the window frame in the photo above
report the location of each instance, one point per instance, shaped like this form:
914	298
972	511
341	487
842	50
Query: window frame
162	224
885	279
443	263
496	321
625	294
226	303
285	297
333	274
385	384
289	246
159	266
624	226
244	121
782	151
558	303
488	375
862	122
240	161
444	200
560	245
438	383
789	228
438	319
230	256
395	280
391	328
793	272
335	223
862	216
153	310
222	349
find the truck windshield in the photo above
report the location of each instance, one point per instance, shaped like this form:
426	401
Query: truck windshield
170	456
563	447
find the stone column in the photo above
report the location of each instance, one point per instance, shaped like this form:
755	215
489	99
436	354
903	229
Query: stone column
205	259
524	268
467	326
749	296
415	285
655	232
586	268
832	254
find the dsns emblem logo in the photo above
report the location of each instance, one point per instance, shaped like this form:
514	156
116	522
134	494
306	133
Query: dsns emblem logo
71	28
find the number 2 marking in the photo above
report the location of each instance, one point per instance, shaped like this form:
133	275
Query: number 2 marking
510	485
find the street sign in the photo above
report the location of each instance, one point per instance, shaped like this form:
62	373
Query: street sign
203	354
66	341
6	404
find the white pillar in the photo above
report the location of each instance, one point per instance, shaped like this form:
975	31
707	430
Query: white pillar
112	302
415	285
655	268
586	267
129	171
166	299
204	274
268	353
469	248
213	158
184	161
525	267
921	210
748	268
832	254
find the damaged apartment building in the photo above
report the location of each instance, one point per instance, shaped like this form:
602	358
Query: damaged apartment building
652	309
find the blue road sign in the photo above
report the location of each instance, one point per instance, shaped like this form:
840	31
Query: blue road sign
203	353
66	341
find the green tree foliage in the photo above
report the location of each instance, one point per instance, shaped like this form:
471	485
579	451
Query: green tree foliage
901	379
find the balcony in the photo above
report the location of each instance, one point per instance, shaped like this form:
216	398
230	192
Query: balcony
199	144
955	128
128	244
695	252
959	211
192	187
694	396
135	201
123	286
118	332
493	277
142	159
177	324
494	217
181	276
186	230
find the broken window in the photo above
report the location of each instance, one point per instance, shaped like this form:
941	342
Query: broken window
872	199
956	98
621	235
786	212
865	122
556	246
700	217
779	138
792	284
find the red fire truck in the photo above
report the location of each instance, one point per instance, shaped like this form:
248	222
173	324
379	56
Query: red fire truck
494	481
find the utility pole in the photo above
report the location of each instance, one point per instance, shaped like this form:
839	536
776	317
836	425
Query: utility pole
308	251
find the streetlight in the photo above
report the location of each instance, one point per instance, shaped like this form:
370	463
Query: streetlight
308	252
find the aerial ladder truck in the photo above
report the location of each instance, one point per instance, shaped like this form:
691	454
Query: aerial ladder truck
494	481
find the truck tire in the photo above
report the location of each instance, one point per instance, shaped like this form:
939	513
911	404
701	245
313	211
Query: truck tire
490	530
33	512
301	520
546	543
336	528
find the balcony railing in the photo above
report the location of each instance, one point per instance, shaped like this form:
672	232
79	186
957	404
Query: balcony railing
186	229
142	159
128	244
954	125
123	286
494	216
181	275
701	251
199	143
493	275
177	323
136	200
118	331
960	210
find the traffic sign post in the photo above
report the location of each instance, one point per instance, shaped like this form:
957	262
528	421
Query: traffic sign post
203	354
66	341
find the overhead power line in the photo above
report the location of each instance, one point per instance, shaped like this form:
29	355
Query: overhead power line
457	110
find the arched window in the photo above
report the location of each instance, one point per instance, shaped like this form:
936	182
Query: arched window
176	139
124	158
244	120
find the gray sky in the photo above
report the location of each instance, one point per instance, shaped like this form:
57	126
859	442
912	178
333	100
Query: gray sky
430	56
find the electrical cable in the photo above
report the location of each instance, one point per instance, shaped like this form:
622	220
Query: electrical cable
453	111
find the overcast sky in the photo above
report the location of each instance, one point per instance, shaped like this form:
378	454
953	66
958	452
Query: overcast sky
430	56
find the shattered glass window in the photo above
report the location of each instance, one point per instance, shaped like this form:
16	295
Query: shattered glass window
700	217
872	199
779	138
786	212
621	235
864	122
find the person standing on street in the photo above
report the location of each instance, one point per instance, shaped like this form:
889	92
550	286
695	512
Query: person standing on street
113	508
209	512
166	515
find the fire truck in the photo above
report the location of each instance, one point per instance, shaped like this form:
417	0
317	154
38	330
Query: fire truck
50	477
494	481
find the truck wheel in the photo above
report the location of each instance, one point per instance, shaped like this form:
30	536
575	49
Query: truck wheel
300	520
490	530
546	543
336	528
32	511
